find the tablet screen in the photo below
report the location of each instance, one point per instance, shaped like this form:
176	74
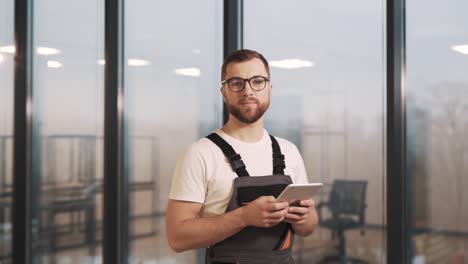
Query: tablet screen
294	192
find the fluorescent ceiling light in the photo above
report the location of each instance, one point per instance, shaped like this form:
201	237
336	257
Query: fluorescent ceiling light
291	63
40	50
8	49
194	72
47	51
131	62
1	58
463	49
54	64
138	62
196	51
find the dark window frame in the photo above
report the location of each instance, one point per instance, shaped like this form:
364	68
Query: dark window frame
233	25
22	215
116	199
396	209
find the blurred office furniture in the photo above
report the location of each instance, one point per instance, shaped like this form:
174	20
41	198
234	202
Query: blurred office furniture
439	246
346	210
6	201
5	226
69	185
77	203
71	192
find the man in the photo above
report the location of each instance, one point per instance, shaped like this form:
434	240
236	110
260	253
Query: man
224	187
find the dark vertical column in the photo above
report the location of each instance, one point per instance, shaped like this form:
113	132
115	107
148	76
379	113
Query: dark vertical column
115	242
233	32
22	154
397	228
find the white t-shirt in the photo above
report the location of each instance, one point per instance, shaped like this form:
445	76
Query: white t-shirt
204	175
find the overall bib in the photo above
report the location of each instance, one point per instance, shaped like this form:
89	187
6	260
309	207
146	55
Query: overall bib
254	245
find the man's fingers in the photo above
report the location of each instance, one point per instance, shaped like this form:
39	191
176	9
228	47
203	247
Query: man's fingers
298	210
276	206
273	222
307	203
278	214
295	217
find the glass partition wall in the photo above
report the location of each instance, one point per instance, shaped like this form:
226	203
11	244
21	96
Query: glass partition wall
173	55
6	125
437	129
327	71
67	142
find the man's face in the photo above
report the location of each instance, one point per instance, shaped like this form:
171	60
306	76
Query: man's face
248	105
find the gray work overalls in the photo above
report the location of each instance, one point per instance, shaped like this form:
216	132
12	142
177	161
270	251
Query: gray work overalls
254	245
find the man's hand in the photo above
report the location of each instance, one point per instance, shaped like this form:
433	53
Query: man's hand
265	211
299	212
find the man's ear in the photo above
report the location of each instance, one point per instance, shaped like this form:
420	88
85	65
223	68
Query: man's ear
222	93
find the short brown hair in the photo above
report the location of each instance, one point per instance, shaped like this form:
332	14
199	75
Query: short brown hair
241	56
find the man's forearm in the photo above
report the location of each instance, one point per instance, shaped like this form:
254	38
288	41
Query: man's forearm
206	231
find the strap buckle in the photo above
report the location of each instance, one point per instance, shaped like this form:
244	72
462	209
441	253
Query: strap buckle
278	161
236	162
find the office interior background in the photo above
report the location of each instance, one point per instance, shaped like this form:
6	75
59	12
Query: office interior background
329	70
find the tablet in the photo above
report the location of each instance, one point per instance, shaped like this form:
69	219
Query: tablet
294	192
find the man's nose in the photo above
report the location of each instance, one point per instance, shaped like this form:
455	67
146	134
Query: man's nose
247	88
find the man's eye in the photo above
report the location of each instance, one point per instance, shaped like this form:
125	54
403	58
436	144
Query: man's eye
236	83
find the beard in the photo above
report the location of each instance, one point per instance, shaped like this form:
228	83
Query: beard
248	115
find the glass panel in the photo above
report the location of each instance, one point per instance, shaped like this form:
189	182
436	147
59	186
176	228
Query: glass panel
174	54
6	126
68	87
437	129
327	67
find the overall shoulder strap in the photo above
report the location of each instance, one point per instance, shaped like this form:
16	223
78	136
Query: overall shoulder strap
234	159
278	157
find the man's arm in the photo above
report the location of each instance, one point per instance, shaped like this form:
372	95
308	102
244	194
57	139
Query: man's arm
186	230
303	218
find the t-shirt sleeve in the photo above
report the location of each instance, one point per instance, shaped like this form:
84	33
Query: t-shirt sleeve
189	179
299	169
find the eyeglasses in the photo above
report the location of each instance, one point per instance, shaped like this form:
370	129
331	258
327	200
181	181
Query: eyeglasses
237	84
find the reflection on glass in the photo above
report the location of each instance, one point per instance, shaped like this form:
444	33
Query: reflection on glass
6	127
437	125
172	99
328	91
67	131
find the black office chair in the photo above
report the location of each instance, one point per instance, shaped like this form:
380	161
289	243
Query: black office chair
346	205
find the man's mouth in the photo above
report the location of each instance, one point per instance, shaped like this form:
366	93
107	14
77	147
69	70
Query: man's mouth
249	102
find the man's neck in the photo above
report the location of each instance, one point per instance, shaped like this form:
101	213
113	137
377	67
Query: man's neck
242	131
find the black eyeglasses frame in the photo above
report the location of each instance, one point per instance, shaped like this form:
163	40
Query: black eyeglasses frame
226	81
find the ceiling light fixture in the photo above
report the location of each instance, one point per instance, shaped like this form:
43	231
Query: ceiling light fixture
54	64
291	64
463	49
138	62
193	72
7	49
47	51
